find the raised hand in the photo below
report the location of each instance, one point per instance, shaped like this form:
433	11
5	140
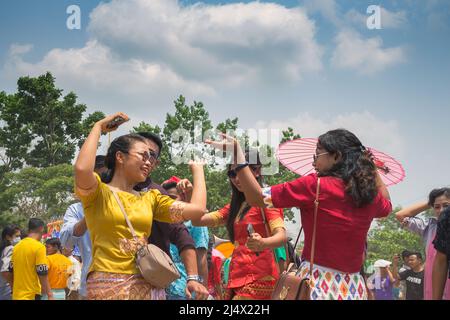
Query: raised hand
112	122
196	164
396	259
228	143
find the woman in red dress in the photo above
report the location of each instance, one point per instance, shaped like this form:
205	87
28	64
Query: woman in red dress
253	271
351	195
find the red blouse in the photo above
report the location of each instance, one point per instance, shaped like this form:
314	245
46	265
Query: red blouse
341	227
245	266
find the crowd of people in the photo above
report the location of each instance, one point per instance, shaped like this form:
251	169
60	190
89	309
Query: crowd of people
346	186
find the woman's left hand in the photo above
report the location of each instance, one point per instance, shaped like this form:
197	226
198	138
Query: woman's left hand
256	243
197	164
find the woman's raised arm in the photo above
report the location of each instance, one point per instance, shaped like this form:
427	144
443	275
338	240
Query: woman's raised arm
85	163
250	186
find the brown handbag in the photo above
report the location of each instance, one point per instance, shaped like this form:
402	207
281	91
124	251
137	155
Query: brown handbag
155	266
290	286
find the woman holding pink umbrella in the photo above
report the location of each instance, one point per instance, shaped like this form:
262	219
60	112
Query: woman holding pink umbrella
351	194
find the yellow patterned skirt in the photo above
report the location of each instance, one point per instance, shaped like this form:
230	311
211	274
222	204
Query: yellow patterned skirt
258	290
119	286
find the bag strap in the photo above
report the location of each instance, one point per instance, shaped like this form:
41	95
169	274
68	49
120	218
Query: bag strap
298	237
124	213
313	245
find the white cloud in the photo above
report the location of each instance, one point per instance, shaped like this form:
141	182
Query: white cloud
95	70
367	56
19	49
228	44
353	51
381	134
144	53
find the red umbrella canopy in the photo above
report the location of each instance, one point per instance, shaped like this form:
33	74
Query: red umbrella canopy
297	156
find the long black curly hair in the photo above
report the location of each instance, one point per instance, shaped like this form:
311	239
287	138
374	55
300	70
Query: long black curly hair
356	167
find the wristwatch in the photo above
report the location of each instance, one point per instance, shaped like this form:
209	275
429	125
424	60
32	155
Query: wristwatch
194	277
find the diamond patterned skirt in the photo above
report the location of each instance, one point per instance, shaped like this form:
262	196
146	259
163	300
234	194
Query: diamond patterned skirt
330	284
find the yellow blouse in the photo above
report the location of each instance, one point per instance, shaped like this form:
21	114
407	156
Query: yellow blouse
113	246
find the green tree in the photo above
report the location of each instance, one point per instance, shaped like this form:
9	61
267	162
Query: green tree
46	127
38	192
8	218
15	136
387	238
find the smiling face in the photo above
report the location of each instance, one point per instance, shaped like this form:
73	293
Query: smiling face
137	163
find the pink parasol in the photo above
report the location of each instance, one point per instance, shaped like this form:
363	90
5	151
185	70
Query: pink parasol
297	156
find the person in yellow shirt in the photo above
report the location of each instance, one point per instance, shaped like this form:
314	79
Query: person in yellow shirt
113	273
29	265
58	269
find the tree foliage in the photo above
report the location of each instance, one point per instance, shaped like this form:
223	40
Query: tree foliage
40	126
40	130
38	192
387	238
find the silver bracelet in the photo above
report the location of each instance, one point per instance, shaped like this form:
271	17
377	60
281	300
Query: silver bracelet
194	277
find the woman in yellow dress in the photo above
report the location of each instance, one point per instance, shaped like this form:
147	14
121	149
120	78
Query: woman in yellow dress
113	273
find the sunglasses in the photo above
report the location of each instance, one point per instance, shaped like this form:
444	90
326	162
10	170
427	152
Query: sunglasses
147	156
316	156
233	174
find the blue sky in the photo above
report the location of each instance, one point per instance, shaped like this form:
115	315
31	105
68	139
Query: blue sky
313	65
